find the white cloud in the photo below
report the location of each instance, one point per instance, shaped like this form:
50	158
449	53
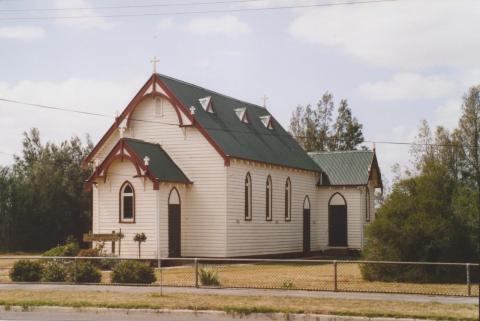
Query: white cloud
20	32
408	86
448	114
105	97
229	26
95	22
402	34
165	24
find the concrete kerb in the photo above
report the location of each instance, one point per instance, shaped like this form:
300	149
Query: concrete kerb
150	314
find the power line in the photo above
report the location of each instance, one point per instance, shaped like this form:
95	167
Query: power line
153	5
334	139
196	12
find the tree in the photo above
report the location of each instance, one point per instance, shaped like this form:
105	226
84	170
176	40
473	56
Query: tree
46	197
314	130
432	213
347	132
140	238
468	133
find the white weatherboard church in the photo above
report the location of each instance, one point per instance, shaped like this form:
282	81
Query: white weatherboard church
206	175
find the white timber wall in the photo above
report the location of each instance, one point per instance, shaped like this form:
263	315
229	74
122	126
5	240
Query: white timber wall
258	236
204	202
355	198
145	210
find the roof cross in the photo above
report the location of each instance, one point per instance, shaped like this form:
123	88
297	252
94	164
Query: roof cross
154	62
264	99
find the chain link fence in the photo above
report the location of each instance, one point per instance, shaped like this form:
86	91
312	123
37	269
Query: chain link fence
453	279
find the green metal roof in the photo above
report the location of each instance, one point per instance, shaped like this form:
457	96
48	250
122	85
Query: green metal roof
344	167
252	141
161	165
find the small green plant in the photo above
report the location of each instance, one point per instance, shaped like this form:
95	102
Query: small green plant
140	238
54	271
133	272
288	284
69	249
208	277
87	272
26	271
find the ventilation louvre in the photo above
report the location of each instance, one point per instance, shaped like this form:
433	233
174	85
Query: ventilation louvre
242	114
207	104
267	121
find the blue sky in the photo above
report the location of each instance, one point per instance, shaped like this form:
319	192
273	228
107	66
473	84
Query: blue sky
396	62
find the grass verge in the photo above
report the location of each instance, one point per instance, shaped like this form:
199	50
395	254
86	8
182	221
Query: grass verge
239	304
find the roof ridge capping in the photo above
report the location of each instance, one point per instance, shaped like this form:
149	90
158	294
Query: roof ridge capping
341	151
243	102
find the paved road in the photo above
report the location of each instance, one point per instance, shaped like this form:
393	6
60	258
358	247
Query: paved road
244	292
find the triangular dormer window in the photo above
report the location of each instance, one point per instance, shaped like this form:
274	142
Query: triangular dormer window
207	104
267	121
242	114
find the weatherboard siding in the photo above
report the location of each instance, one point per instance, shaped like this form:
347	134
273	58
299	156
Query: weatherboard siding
355	199
203	203
145	209
258	236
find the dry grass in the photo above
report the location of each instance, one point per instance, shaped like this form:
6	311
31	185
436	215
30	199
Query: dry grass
308	277
240	304
292	275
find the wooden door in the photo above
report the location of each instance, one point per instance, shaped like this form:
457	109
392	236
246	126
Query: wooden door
174	230
306	230
337	225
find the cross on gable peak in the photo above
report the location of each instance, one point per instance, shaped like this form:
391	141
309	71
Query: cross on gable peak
154	62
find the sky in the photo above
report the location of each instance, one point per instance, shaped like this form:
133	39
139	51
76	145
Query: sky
397	62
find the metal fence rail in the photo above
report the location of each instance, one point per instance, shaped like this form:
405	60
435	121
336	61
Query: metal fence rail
454	279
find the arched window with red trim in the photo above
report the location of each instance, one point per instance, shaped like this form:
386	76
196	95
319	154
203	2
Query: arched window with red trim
127	203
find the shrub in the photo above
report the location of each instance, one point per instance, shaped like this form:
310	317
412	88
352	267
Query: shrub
87	272
108	263
89	253
133	272
54	271
69	249
288	284
26	271
209	277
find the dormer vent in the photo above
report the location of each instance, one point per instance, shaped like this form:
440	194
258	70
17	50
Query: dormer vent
206	103
267	121
242	114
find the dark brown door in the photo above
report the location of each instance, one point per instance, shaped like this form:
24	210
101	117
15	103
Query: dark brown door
337	225
174	230
306	230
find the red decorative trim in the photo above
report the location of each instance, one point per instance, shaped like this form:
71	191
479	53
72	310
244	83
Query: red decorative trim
112	128
114	155
196	124
155	80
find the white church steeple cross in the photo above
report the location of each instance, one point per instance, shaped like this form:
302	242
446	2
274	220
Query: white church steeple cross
154	62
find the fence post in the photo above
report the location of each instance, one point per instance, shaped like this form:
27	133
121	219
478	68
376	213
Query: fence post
75	270
196	272
469	285
161	276
335	276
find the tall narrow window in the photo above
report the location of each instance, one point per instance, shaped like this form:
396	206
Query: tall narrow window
367	205
248	197
127	203
268	199
288	200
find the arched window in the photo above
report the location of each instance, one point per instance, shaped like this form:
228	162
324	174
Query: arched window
127	203
248	197
367	205
288	200
268	199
